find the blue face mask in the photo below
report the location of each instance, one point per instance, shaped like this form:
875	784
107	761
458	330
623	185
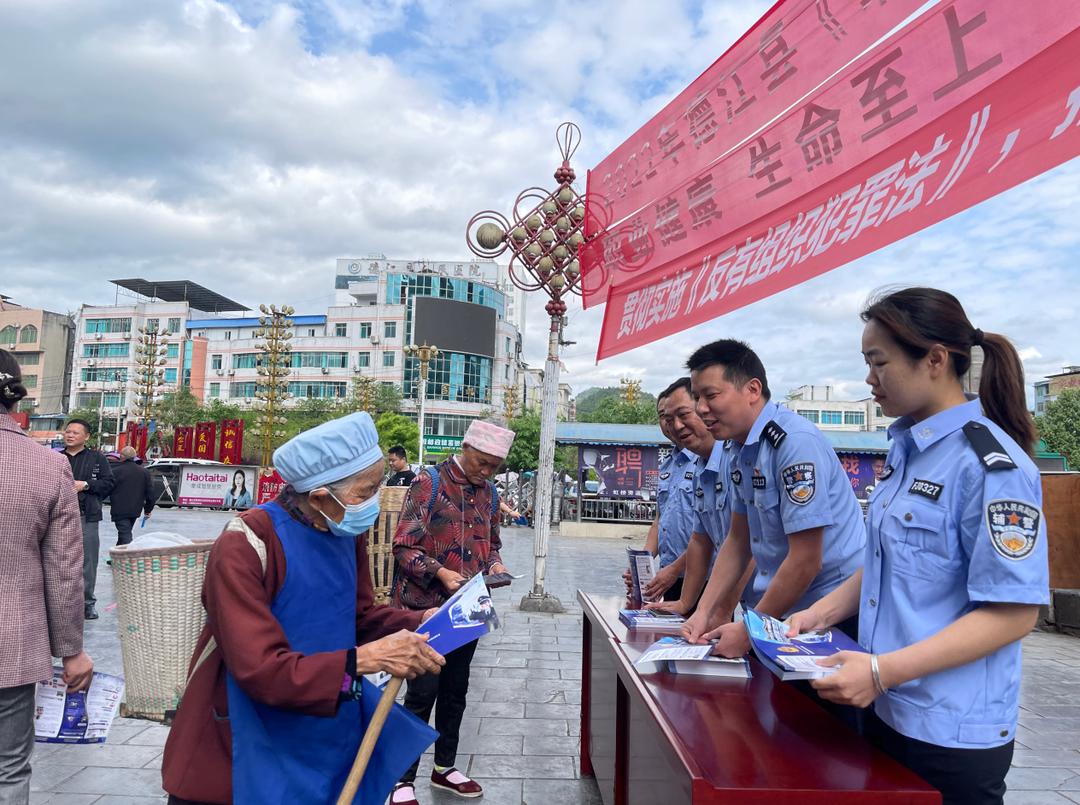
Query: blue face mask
358	517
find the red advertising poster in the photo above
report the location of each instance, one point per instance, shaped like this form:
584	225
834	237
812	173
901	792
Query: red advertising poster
621	472
136	437
270	484
232	441
786	54
205	440
183	442
951	54
1018	127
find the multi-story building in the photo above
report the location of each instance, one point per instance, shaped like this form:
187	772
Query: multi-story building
1047	390
105	367
816	403
533	383
41	342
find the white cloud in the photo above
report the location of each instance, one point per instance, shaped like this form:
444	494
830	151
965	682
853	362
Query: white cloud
247	146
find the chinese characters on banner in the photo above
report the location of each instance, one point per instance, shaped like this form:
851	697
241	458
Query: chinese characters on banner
864	470
183	441
1018	127
951	54
623	472
785	55
270	484
232	441
205	437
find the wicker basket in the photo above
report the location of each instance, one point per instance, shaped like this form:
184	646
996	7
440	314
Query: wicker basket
381	541
160	614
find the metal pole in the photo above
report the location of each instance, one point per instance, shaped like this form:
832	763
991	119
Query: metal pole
423	401
539	600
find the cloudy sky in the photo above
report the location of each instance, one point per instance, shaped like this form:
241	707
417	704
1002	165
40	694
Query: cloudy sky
246	145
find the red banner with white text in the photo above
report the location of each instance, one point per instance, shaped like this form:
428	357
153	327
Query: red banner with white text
183	438
787	53
232	441
1022	125
205	436
942	59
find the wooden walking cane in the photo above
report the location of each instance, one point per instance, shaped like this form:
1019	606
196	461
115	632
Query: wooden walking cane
367	745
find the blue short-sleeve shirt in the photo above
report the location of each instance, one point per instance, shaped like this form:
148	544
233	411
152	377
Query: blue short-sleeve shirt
787	478
711	494
675	505
950	529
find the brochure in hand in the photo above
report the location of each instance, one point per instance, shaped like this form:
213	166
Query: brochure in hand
651	620
642	570
672	648
494	580
76	718
794	657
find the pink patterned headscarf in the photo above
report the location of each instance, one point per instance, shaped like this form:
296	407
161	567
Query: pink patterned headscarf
489	438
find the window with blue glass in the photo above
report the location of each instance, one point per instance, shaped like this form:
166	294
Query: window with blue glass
172	351
242	390
832	418
170	376
245	360
106	350
452	376
317	390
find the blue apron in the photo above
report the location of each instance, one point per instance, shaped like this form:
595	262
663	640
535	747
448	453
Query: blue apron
281	756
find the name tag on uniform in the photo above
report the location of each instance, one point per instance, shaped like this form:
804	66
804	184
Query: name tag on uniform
689	475
928	489
758	482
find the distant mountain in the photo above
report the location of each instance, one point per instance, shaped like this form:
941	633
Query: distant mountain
591	399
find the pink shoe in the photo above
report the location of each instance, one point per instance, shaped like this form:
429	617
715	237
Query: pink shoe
463	787
411	791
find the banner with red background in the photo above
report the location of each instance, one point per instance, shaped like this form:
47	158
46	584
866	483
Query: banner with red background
783	56
205	438
944	58
183	441
1018	127
232	441
270	484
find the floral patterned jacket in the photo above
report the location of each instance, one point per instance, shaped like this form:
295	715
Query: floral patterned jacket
459	531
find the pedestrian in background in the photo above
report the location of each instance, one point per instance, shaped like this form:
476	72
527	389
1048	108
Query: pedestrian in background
399	463
93	482
40	587
132	495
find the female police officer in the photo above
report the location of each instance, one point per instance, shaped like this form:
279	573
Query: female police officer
956	562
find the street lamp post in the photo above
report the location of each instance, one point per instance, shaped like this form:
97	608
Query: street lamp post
424	353
544	241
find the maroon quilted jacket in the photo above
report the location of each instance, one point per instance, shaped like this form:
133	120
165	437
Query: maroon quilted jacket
460	531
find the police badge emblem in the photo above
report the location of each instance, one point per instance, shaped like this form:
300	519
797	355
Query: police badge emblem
1013	526
800	482
736	477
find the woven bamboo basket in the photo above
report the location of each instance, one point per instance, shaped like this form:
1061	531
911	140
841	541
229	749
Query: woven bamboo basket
381	541
160	615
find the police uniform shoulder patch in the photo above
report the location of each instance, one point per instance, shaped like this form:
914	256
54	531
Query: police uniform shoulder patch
800	482
736	477
987	447
1013	527
773	434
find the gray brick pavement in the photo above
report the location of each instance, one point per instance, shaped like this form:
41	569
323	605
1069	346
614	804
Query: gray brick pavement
519	736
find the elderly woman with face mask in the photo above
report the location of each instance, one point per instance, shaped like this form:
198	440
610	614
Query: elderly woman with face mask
270	713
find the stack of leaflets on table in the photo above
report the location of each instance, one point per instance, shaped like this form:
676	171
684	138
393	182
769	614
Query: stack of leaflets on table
712	666
76	718
794	657
651	620
671	648
642	570
466	616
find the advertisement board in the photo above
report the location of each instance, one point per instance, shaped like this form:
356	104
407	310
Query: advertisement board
218	487
623	472
864	470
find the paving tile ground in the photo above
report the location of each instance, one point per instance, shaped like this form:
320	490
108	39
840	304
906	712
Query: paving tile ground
520	733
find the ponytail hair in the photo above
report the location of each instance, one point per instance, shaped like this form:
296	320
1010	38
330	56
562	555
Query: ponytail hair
11	388
919	318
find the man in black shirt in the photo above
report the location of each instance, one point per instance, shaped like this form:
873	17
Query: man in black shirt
93	481
399	463
133	495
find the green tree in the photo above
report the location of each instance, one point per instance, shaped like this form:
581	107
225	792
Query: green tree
1059	427
308	413
525	452
593	398
179	407
397	429
387	398
614	409
216	410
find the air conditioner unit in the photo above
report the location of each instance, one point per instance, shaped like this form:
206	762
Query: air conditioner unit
325	370
80	385
374	339
232	372
356	370
220	372
91	363
97	336
127	336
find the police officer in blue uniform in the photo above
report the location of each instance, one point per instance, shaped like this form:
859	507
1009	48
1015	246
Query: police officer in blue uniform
670	532
793	510
956	560
679	517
